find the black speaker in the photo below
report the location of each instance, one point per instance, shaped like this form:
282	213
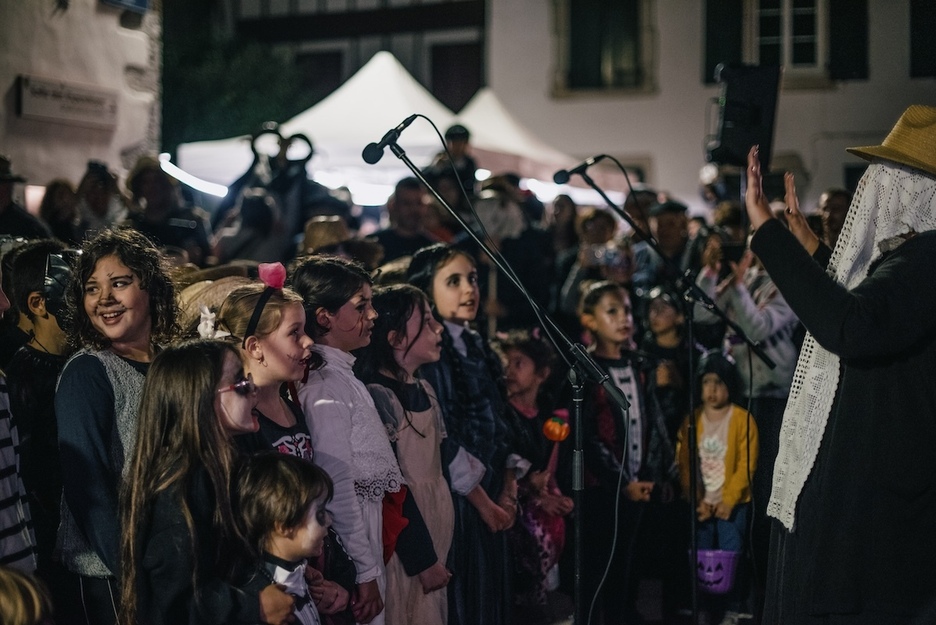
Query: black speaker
747	107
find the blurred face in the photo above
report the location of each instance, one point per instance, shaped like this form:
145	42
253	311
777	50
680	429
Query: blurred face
408	209
522	376
714	392
597	231
306	540
236	398
350	327
286	350
663	317
455	290
612	322
117	305
670	230
833	209
423	341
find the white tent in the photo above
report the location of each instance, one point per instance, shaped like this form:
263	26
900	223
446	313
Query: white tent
500	143
374	100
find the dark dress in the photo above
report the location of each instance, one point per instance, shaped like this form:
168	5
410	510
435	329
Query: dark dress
473	409
863	545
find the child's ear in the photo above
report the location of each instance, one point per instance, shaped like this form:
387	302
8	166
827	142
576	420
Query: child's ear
37	304
395	338
322	317
280	529
543	373
588	321
253	348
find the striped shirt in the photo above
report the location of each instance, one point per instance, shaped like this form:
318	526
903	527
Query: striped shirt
17	543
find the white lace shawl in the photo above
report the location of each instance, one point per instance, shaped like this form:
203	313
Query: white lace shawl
891	200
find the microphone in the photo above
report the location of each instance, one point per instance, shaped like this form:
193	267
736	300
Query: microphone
374	151
562	176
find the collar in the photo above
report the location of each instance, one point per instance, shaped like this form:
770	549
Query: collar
335	357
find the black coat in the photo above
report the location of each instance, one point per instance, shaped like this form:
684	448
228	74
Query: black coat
864	540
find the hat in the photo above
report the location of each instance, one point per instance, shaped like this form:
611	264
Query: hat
457	132
6	170
911	142
668	206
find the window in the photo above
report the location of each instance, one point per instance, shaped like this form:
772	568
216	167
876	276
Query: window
604	45
790	33
815	41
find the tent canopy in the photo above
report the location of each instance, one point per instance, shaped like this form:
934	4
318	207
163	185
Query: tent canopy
374	100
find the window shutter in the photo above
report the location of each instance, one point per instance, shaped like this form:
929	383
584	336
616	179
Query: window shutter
922	51
848	39
724	21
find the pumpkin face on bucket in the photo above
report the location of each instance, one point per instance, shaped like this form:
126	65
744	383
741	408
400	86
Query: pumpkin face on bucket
715	570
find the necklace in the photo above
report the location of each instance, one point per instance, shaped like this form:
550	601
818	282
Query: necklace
33	339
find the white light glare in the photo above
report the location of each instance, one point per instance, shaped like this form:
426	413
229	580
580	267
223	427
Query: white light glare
217	190
482	174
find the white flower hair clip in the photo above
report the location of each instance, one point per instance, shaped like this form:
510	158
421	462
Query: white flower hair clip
207	325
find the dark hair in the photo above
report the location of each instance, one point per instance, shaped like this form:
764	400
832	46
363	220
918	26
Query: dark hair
28	272
724	367
275	488
530	345
139	254
327	282
592	293
409	183
258	210
394	305
427	261
47	207
179	434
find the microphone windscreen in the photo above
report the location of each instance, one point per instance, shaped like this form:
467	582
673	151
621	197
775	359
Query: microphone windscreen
561	177
372	153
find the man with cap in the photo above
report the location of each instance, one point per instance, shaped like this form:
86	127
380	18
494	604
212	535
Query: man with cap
15	221
669	225
456	140
854	491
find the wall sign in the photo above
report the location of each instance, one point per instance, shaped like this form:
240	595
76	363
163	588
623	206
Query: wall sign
66	102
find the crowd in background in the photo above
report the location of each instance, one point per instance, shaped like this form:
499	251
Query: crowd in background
403	365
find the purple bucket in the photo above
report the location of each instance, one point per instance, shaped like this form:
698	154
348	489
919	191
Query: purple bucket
715	570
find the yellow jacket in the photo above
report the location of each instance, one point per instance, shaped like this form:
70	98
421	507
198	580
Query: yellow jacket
737	487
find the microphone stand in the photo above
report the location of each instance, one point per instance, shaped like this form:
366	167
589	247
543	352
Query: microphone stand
583	367
691	294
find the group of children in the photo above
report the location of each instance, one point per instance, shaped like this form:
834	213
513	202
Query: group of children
332	452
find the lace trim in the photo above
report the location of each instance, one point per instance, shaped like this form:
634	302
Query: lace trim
891	200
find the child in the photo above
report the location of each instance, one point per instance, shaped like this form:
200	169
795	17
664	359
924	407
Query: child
467	380
180	535
727	453
39	291
538	539
281	502
268	322
666	340
406	336
349	439
121	307
628	456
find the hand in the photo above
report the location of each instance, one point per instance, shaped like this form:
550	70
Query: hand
723	511
758	208
366	603
434	578
276	605
554	505
704	511
329	597
538	481
509	505
638	491
664	374
712	253
496	518
795	219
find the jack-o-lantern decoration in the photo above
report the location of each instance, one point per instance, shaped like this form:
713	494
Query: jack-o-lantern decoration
715	570
556	429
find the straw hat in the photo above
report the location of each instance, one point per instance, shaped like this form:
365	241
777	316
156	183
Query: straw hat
912	141
210	293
